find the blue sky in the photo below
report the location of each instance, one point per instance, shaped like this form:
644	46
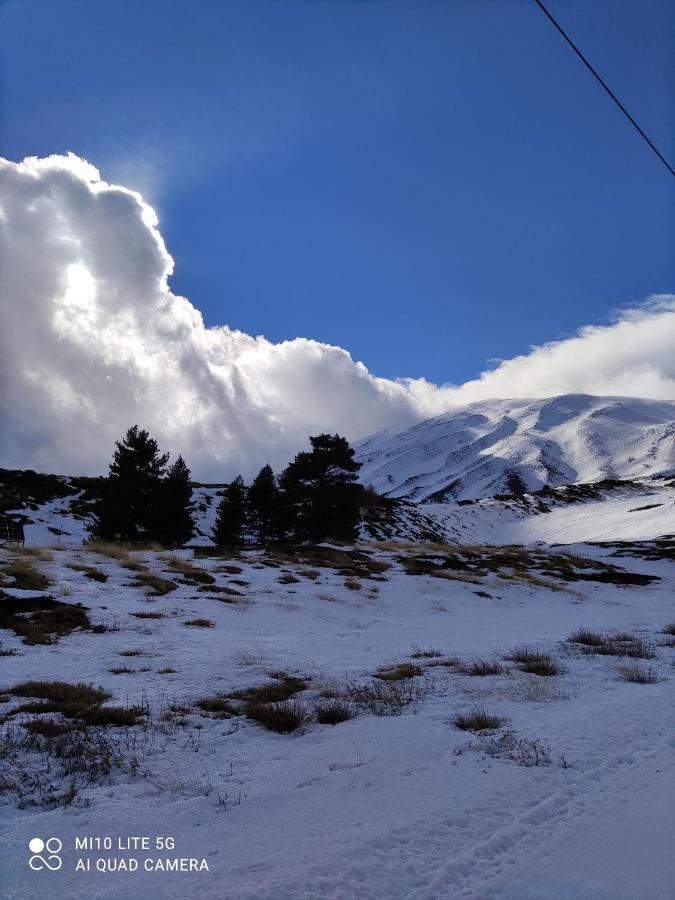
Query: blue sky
430	185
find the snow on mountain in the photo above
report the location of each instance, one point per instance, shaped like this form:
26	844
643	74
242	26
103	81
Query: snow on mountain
510	446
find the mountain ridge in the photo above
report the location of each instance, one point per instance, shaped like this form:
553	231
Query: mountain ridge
495	447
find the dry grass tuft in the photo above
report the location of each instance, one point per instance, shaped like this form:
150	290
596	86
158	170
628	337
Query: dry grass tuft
73	701
218	707
334	712
26	576
481	667
191	573
587	637
90	572
200	623
159	587
418	653
40	619
398	672
283	718
535	662
638	674
479	719
273	691
632	647
288	578
385	698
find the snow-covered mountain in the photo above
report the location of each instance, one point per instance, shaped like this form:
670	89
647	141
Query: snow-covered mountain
510	446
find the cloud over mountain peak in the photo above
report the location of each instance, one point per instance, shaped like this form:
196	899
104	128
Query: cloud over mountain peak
92	339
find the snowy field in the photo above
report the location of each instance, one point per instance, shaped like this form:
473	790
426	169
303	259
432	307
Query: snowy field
403	804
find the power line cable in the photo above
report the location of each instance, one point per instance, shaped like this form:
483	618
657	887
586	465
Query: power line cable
606	87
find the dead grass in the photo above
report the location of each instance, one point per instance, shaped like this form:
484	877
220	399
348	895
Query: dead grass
118	552
73	701
284	717
638	674
449	662
46	763
26	576
200	623
159	587
61	692
131	653
533	566
479	719
41	620
587	637
121	670
418	653
221	589
351	562
385	698
37	553
90	572
481	667
191	573
632	647
147	615
524	752
288	578
398	672
272	692
352	584
669	629
218	707
535	662
334	712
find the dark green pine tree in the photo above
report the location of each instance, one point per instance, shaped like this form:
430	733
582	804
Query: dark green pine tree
231	516
128	508
174	525
263	505
320	493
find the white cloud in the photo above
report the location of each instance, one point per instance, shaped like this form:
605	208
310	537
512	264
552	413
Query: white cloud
93	340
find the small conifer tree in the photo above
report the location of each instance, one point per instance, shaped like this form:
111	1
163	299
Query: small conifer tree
128	508
231	515
320	493
263	505
174	525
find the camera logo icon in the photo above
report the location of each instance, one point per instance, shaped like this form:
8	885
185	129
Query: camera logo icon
45	854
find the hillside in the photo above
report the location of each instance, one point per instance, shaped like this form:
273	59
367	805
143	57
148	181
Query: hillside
512	446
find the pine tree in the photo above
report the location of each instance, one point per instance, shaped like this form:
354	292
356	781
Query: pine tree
129	506
174	525
231	516
263	505
320	491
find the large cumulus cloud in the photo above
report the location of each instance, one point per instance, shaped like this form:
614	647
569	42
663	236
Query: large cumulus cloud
92	340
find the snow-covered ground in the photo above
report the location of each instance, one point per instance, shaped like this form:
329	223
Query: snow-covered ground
404	806
640	512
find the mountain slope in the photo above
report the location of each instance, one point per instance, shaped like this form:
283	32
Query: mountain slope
509	446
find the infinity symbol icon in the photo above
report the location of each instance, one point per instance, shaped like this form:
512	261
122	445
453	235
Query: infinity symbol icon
53	861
